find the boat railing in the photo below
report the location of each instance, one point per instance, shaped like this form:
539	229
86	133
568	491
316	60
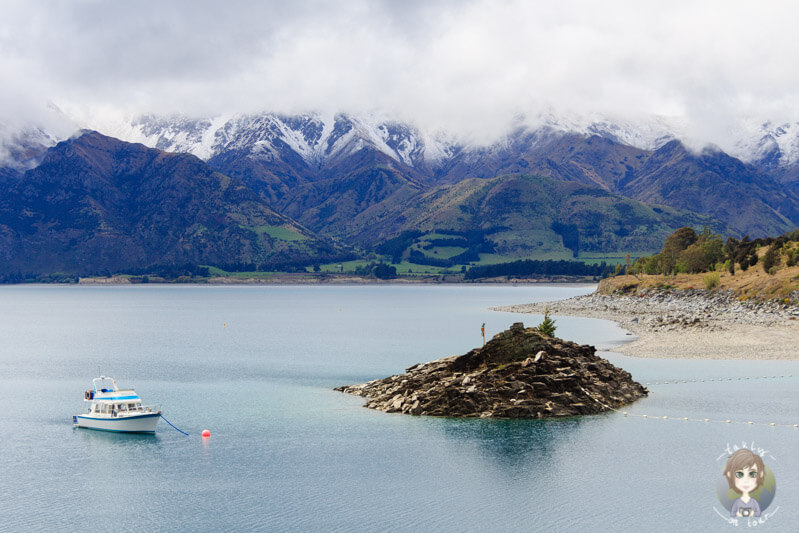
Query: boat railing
155	408
141	409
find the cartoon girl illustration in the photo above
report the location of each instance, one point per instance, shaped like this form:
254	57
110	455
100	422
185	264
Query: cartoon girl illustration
745	473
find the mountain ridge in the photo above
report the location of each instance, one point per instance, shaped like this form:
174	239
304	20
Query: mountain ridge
96	203
364	181
274	163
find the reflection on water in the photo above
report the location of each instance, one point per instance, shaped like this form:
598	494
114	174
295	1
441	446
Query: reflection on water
103	439
513	443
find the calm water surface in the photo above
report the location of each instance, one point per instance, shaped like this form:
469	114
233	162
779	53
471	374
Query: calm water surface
256	365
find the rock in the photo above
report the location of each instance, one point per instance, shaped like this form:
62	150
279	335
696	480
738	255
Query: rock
502	380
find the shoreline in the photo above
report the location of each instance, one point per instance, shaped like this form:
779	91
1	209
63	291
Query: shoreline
693	325
287	283
330	279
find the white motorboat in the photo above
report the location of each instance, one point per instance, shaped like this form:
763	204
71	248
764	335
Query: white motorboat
115	409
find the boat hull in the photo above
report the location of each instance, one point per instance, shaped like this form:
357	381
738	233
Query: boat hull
129	424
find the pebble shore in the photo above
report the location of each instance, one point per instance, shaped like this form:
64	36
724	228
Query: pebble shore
690	324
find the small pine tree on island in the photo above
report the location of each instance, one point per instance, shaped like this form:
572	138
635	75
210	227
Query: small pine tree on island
547	327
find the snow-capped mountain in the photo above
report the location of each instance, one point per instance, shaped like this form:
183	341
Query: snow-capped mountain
319	139
316	138
648	133
20	149
769	145
23	142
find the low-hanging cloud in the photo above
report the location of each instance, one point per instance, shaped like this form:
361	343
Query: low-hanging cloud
467	66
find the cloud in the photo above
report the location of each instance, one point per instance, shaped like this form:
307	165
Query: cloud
473	65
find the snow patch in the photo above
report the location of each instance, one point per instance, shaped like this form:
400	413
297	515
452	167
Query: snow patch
320	138
776	145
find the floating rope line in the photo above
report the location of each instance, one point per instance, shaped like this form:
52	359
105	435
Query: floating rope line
173	425
687	419
709	420
705	380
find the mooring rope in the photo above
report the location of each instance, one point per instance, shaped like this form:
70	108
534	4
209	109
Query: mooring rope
704	380
173	425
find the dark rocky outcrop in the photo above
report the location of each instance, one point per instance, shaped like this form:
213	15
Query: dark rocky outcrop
520	373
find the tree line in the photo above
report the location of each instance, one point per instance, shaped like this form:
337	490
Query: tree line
687	251
531	267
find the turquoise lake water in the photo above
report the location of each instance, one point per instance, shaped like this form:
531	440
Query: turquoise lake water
256	365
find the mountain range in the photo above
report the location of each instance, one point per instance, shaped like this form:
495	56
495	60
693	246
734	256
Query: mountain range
275	190
99	205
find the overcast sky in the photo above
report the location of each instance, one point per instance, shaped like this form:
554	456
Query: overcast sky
442	64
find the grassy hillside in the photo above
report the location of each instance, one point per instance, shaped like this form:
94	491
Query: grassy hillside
520	216
779	282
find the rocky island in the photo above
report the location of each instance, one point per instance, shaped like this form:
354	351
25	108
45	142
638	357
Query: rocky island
520	373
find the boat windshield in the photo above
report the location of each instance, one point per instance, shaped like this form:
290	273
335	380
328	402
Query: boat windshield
104	384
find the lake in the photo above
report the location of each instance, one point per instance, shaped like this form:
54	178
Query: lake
256	366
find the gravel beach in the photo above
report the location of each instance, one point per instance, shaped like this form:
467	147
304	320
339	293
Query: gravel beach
690	324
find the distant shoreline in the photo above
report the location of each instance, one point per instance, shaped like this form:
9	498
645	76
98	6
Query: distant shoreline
692	325
336	279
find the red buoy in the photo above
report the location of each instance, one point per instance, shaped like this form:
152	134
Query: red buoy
206	433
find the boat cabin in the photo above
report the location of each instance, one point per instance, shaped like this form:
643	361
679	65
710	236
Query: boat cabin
107	399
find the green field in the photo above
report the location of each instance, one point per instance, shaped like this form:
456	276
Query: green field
440	252
218	272
278	232
431	236
345	267
611	259
493	259
412	269
406	268
403	269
